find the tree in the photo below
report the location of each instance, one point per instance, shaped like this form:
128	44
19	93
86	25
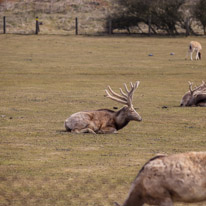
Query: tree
123	22
200	14
130	14
164	14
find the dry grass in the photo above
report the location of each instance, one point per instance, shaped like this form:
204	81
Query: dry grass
44	79
57	16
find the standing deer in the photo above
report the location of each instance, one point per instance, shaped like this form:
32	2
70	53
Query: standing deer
104	120
195	97
167	179
194	46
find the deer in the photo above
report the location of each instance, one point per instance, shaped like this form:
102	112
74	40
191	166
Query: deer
166	179
194	46
194	97
103	121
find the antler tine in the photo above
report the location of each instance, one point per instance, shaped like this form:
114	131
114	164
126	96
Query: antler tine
125	86
134	87
123	94
201	87
127	90
131	84
136	84
114	98
124	98
190	86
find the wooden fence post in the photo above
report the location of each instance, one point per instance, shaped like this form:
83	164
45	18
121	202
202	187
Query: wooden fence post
149	24
187	27
4	24
37	25
110	27
76	26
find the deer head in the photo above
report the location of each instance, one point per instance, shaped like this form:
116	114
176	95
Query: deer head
127	112
194	97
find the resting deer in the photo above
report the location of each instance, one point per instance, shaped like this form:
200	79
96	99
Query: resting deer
105	120
194	46
167	179
195	97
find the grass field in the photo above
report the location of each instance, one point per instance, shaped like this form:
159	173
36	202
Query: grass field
44	79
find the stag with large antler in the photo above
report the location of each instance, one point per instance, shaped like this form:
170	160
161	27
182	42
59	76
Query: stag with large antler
195	97
104	120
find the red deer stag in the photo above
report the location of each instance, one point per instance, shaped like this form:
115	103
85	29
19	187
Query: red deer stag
104	120
167	179
195	97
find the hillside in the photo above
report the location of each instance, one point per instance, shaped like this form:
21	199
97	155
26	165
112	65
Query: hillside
57	16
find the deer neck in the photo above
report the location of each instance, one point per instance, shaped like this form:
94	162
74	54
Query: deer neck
121	119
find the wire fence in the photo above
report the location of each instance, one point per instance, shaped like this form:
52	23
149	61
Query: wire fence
69	17
55	16
70	26
20	25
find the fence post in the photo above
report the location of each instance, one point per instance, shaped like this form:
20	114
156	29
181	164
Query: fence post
149	24
110	26
4	24
76	26
187	27
37	25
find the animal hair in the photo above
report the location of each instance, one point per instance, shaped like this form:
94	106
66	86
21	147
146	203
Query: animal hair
194	46
166	179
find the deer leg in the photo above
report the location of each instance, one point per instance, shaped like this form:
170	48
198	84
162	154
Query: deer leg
107	130
191	55
85	130
166	202
197	55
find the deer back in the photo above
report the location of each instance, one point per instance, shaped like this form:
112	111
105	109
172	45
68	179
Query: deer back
164	179
91	119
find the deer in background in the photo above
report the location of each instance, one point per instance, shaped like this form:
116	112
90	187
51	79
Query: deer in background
194	97
104	120
194	46
167	179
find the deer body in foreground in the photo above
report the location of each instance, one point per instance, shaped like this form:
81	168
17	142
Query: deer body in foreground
105	120
195	97
167	179
194	46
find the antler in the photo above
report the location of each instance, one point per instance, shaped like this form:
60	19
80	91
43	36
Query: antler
190	86
202	86
125	97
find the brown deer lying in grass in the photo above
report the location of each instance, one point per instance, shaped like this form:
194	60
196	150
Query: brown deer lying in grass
194	46
105	120
195	97
167	179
